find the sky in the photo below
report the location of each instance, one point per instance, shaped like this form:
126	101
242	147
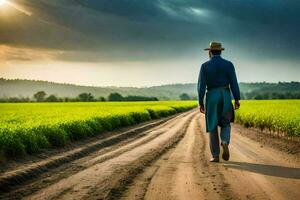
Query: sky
147	42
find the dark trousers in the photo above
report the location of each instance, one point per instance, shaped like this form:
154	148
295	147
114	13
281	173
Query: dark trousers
214	139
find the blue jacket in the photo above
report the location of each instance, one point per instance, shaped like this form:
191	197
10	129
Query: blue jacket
217	72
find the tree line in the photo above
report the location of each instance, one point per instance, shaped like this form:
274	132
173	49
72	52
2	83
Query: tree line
41	96
258	95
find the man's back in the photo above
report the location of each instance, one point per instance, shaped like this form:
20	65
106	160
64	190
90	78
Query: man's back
217	72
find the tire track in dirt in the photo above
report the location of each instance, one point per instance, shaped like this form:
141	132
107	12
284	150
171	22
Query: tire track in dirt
24	172
173	175
263	173
88	155
182	173
103	178
170	161
257	172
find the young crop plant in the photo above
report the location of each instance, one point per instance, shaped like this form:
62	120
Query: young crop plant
281	117
27	128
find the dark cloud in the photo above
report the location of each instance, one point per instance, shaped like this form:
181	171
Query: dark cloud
132	9
97	30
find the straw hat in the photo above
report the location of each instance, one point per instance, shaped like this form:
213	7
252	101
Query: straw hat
215	46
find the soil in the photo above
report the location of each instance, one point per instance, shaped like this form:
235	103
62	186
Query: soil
167	160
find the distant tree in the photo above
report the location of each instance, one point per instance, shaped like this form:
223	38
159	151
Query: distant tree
242	95
258	97
15	99
288	95
85	97
274	95
66	99
250	95
40	96
281	96
265	95
115	97
52	98
101	99
184	96
69	99
60	99
139	98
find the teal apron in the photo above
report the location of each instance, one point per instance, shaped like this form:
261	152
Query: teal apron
218	108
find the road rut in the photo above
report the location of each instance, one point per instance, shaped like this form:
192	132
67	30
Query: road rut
170	161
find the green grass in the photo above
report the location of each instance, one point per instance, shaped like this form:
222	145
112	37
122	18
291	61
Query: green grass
27	128
279	116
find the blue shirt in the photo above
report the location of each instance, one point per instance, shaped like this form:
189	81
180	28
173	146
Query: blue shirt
217	72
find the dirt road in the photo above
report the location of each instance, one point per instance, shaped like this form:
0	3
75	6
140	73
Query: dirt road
170	161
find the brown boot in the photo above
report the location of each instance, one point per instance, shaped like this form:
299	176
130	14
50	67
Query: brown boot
225	154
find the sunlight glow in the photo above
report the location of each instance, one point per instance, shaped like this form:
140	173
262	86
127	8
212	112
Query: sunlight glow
18	7
2	2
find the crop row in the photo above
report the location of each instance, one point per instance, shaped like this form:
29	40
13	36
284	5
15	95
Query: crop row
29	128
275	116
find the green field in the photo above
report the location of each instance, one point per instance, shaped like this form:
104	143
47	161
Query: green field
30	127
26	128
281	117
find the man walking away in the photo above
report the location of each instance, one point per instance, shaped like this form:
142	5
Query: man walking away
217	78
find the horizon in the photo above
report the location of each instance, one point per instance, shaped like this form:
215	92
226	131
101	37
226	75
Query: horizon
74	84
146	43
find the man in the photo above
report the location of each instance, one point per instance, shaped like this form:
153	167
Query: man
217	78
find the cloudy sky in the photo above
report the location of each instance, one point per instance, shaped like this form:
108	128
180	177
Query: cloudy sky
146	42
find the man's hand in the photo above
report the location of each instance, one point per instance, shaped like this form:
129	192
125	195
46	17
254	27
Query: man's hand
202	110
236	104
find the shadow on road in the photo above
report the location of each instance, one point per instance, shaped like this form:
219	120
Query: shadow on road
271	170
